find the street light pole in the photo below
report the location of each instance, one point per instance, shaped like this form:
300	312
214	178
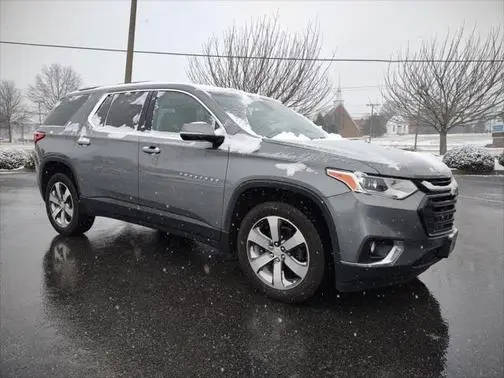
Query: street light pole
131	42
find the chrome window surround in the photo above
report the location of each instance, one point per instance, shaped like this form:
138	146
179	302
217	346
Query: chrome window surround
168	134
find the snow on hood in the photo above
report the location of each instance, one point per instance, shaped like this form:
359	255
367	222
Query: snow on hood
240	143
387	161
292	168
291	137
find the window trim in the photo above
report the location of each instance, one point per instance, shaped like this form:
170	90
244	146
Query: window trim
100	102
147	102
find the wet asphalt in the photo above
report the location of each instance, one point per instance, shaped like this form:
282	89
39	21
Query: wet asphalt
128	301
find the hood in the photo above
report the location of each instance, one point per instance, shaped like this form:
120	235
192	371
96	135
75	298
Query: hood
386	161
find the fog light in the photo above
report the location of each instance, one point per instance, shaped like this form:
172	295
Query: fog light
381	252
379	249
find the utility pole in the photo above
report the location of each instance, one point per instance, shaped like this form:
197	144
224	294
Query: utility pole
131	42
416	128
371	120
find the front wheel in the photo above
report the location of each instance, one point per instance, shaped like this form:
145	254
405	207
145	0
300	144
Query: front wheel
62	207
280	250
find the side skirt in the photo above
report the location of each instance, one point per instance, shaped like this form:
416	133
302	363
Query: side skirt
154	218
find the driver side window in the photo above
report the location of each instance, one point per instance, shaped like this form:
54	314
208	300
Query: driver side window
174	109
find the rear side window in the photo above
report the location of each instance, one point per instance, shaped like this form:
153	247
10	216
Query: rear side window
126	109
66	109
101	114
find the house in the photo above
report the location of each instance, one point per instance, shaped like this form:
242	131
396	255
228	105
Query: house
397	126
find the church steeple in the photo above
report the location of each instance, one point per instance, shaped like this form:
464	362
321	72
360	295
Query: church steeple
338	100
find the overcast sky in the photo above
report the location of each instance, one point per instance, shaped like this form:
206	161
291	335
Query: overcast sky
357	29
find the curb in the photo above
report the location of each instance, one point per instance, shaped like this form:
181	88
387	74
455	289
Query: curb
457	172
17	170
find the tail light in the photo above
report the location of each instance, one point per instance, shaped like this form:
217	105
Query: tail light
38	135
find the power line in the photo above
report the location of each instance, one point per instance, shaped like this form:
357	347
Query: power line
200	55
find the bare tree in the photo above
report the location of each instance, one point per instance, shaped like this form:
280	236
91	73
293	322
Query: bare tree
246	58
387	111
447	83
52	84
12	109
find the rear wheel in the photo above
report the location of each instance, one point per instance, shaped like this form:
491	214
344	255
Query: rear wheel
280	250
62	206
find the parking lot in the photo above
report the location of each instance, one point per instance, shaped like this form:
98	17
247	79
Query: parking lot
128	301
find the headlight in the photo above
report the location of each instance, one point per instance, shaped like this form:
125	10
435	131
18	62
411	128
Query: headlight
385	186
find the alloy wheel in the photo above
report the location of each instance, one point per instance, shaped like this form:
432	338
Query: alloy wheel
61	204
278	252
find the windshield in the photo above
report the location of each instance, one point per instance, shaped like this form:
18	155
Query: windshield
266	117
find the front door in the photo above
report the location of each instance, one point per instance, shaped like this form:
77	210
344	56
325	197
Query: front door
182	180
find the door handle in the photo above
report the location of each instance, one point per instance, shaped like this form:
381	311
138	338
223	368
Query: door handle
83	141
151	150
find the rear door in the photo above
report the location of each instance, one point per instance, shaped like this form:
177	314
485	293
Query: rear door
180	179
109	160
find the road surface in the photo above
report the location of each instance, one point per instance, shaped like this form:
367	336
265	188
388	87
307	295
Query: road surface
127	301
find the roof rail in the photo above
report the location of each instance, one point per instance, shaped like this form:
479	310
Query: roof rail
134	82
86	88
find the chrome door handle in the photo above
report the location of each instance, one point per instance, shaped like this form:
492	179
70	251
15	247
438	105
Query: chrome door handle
83	141
151	150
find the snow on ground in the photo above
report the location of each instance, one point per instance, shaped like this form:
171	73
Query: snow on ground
430	142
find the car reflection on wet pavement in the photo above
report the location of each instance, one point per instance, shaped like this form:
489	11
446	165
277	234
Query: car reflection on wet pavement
164	309
130	301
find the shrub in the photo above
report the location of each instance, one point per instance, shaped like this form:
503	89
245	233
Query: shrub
469	158
30	159
500	159
16	158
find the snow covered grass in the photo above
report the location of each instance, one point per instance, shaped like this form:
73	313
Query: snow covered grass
430	142
16	156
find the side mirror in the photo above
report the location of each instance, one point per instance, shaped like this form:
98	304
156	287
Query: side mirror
201	131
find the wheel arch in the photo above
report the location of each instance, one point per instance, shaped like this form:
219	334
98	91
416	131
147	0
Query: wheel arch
265	190
53	165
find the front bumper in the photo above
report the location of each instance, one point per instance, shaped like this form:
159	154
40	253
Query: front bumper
355	276
360	218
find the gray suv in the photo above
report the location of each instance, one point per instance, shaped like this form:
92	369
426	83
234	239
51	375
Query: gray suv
242	172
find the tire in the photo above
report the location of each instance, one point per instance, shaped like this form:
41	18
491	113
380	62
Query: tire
69	220
269	267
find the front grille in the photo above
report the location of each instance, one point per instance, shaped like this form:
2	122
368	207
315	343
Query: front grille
438	209
442	181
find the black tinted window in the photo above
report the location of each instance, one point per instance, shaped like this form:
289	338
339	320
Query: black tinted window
126	109
173	109
62	113
101	115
